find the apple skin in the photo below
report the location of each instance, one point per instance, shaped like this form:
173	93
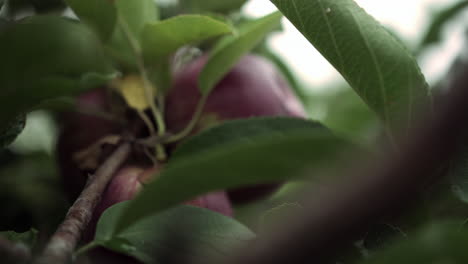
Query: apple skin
254	87
129	181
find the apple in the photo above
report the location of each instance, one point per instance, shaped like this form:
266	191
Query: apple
253	87
77	132
129	181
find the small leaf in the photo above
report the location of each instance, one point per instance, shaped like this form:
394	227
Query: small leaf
433	33
231	48
160	39
273	153
132	88
376	65
436	243
181	232
101	15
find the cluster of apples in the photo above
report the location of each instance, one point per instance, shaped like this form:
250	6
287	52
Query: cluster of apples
253	87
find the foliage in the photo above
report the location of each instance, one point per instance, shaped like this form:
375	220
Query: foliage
133	48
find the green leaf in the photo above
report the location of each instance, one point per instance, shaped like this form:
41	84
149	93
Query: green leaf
160	39
376	65
125	44
437	243
45	57
28	238
183	231
136	13
101	15
197	6
272	153
231	48
11	129
241	131
433	33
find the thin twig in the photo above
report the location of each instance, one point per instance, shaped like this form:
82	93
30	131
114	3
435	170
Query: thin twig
11	252
63	242
191	125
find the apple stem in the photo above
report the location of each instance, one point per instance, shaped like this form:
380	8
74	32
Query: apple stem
11	251
160	150
63	242
191	125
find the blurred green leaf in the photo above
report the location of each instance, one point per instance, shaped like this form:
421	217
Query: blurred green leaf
28	238
30	193
136	13
11	129
341	110
437	243
376	65
197	6
231	48
270	219
439	20
161	39
44	57
101	15
182	232
132	16
254	151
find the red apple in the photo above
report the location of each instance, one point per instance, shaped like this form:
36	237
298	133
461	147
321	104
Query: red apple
253	87
128	182
78	131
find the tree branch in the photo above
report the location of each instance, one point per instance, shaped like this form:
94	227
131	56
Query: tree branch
63	242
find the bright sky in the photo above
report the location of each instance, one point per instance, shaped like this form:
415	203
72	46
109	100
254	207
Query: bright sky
409	18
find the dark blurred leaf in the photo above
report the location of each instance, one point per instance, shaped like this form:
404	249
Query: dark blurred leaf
161	39
258	151
45	57
439	20
437	243
101	15
182	232
28	238
458	175
30	193
11	129
376	65
231	48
